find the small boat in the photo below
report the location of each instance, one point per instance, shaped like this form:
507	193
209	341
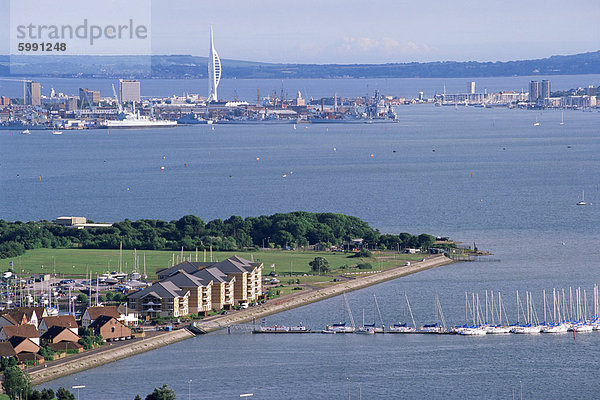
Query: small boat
582	202
562	118
526	329
536	123
339	328
474	330
401	328
56	132
26	132
555	328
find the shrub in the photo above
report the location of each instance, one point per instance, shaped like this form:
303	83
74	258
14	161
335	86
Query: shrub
364	266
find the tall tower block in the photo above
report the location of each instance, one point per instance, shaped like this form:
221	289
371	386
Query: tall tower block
214	70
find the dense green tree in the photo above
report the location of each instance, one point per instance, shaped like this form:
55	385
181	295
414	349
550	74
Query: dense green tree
64	394
162	393
319	264
15	382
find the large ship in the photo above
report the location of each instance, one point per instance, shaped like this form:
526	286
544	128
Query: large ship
135	120
126	119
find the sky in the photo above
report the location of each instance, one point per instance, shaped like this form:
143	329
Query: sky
350	31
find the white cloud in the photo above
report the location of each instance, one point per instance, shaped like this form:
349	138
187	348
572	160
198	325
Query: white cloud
384	45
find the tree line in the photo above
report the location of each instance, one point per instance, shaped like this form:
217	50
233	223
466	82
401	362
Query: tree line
284	230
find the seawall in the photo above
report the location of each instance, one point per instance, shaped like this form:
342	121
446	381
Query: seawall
104	357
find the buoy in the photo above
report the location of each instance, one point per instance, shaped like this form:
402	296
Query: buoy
164	157
334	149
185	165
471	174
291	173
162	168
257	159
128	189
40	178
372	155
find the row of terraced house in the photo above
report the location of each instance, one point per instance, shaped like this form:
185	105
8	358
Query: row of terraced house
199	287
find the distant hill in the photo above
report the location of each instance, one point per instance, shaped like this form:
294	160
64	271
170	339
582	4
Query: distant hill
186	66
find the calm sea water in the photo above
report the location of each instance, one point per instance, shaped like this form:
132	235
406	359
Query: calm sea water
519	203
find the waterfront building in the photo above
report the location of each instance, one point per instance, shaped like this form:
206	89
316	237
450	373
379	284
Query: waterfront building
32	93
591	90
545	90
93	313
471	88
23	331
163	299
247	274
59	334
200	300
214	70
62	321
4	101
110	328
223	286
534	91
129	91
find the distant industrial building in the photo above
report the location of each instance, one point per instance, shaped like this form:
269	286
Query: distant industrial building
32	93
78	223
4	101
129	91
71	104
88	98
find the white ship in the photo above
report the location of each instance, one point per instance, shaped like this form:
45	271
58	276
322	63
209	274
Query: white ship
133	119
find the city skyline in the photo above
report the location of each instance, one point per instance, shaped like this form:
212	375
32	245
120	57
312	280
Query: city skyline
383	32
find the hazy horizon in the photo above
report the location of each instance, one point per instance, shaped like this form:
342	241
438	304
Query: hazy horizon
351	32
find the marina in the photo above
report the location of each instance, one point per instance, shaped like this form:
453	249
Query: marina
562	316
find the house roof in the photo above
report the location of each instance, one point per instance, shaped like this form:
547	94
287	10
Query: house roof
161	290
25	331
54	331
64	345
6	350
101	321
67	321
20	342
186	266
123	309
214	274
95	312
15	317
235	264
183	279
40	312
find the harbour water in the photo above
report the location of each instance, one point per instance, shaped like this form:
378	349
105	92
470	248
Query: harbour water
518	203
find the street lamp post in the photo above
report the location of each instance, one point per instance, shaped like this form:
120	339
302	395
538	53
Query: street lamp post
78	387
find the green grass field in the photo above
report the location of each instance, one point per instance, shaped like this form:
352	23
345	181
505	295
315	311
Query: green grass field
75	262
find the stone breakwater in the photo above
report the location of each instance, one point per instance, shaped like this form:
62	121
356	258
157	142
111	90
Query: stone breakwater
96	359
310	296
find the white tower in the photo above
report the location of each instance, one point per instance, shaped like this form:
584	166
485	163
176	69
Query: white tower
214	70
